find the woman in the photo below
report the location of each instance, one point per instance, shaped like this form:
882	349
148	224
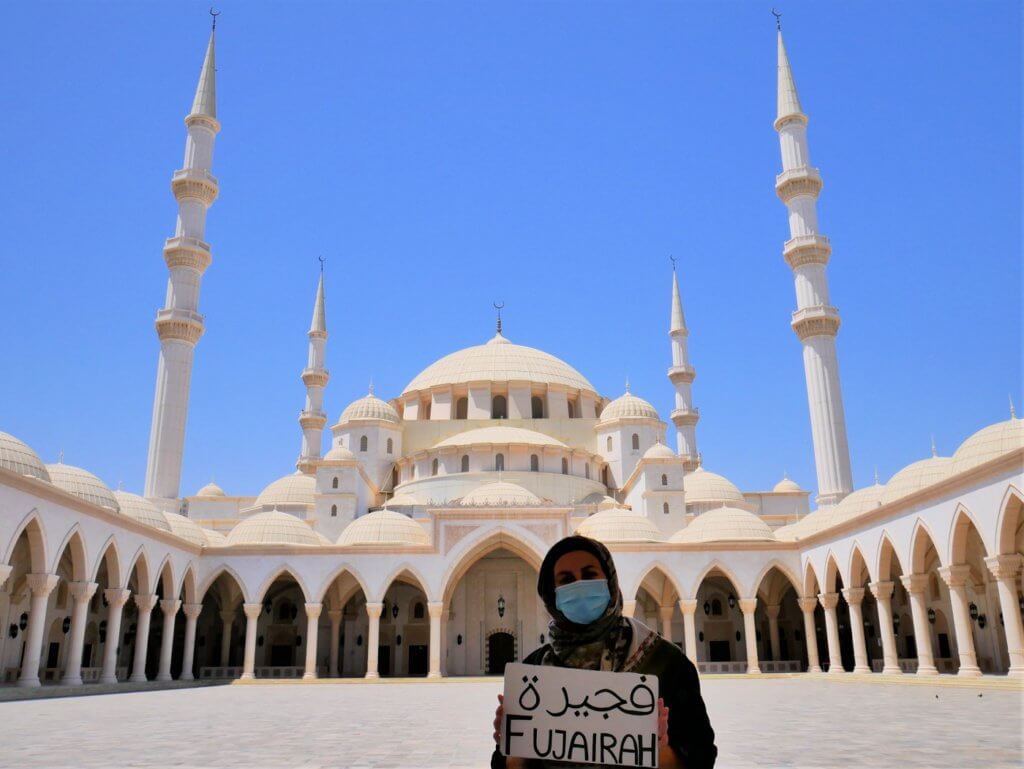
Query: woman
580	590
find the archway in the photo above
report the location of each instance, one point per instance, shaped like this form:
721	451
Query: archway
281	629
975	594
720	643
404	645
782	645
135	622
812	593
220	633
344	603
934	597
657	605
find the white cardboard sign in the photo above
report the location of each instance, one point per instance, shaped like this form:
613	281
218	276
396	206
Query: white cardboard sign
586	716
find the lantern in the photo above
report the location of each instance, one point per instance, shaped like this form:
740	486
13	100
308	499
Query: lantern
707	607
732	601
501	606
931	615
394	611
982	621
974	610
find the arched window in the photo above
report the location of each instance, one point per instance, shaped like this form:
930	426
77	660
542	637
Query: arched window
716	608
425	410
334	483
334	511
565	466
664	508
664	479
604	475
394	476
586	470
417	611
391	446
534	463
537	407
363	443
461	408
636	442
465	463
572	409
433	467
499	461
499	407
609	443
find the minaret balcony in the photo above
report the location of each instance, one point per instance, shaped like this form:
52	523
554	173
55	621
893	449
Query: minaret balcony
194	183
685	416
180	325
183	251
806	249
804	180
822	320
683	373
315	377
312	420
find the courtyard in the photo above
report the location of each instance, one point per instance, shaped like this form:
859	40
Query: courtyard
785	721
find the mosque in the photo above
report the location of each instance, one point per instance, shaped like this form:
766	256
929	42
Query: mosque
410	548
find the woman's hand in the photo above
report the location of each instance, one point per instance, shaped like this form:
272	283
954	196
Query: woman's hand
662	722
499	716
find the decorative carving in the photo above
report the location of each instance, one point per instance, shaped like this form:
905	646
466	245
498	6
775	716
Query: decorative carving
806	249
187	252
798	181
684	373
815	321
194	183
455	534
182	330
548	532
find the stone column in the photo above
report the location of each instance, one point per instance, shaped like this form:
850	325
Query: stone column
227	617
312	637
373	611
688	606
747	606
1004	568
854	599
666	621
807	607
169	606
145	604
883	598
116	597
916	584
445	619
335	617
628	608
41	586
436	610
192	612
956	578
81	593
773	630
829	601
252	615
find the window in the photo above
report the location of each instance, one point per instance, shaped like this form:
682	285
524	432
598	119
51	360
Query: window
636	442
534	463
425	410
664	480
412	471
499	461
334	483
716	608
417	611
461	408
609	443
465	463
394	476
664	508
572	409
391	446
586	471
363	443
334	511
565	466
499	407
537	407
433	467
604	475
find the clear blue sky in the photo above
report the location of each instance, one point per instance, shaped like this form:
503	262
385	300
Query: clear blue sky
550	155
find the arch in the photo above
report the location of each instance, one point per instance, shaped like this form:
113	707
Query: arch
113	563
390	446
481	546
534	463
321	593
666	573
537	407
220	571
464	463
832	573
139	566
635	442
165	576
433	466
499	462
32	526
284	569
959	530
857	569
188	584
812	584
363	443
782	568
1009	519
462	408
74	542
919	542
499	407
717	565
884	558
397	572
664	479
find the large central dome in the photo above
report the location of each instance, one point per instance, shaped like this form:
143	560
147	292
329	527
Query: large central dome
499	361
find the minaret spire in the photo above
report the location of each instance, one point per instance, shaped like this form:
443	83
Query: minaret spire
312	418
816	321
179	324
682	374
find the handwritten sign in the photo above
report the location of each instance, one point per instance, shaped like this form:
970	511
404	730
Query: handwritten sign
583	716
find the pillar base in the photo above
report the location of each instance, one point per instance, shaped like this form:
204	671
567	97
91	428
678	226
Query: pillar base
862	669
71	681
247	677
971	671
186	677
814	669
1015	673
753	671
836	670
309	676
108	681
372	675
892	671
28	683
138	679
163	677
433	675
929	670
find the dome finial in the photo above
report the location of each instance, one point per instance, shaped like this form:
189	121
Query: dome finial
778	19
499	306
1013	413
876	475
60	457
627	384
935	453
371	386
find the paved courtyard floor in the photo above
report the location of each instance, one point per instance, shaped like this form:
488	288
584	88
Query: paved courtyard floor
787	722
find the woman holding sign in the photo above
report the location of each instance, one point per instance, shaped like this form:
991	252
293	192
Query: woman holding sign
580	590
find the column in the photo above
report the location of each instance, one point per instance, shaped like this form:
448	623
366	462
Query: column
446	616
666	621
335	617
807	607
883	597
227	616
916	585
436	611
747	606
81	593
252	615
854	599
41	586
312	636
773	630
116	597
956	578
688	606
628	608
1004	568
169	607
373	611
829	601
192	612
145	604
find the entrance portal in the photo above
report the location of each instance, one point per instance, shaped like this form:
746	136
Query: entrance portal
501	649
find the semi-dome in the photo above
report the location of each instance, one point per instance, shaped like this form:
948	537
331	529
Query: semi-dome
272	528
499	360
141	509
500	436
660	451
211	490
383	527
704	487
17	457
917	476
989	443
339	454
723	524
187	529
83	484
617	524
786	486
369	408
628	406
294	489
500	494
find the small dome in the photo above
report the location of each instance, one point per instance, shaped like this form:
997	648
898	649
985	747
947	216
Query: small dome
272	528
660	451
383	527
500	494
989	443
295	489
851	506
369	407
628	406
338	454
141	509
786	486
710	488
403	500
617	524
19	458
860	501
916	476
211	490
724	523
83	484
214	538
187	529
500	436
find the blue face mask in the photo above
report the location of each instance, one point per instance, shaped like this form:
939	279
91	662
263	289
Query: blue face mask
583	601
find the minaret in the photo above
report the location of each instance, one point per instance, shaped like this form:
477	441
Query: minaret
816	321
312	418
179	324
682	374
